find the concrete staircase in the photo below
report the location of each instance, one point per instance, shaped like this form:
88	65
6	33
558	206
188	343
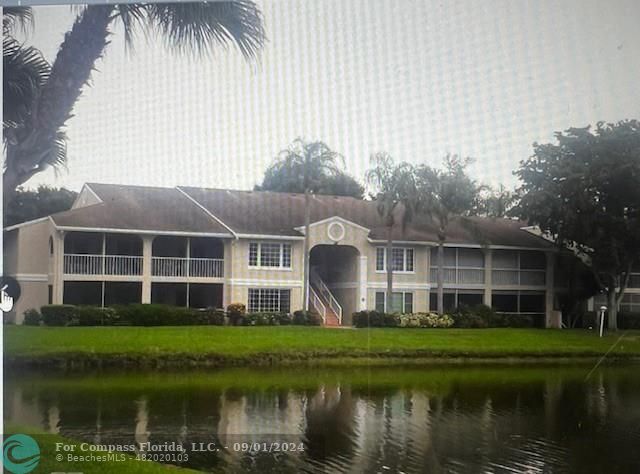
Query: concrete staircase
323	301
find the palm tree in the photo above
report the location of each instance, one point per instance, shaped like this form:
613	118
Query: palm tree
446	193
394	187
309	163
25	72
185	27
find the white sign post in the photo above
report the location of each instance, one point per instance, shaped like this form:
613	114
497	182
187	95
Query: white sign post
602	311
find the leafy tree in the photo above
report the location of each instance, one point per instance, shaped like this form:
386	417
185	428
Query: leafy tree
287	176
308	163
495	202
584	192
29	205
185	27
395	190
444	194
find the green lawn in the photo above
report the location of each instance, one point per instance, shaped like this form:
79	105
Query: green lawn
260	344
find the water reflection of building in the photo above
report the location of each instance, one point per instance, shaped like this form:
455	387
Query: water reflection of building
539	425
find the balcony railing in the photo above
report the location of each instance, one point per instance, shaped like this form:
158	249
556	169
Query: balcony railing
80	264
131	265
459	275
518	277
187	267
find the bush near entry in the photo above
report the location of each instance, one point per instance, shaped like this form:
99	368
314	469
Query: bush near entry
378	319
306	318
235	313
32	317
480	316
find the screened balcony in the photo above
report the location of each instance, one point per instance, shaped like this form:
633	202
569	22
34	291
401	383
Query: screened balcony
185	257
88	253
462	266
518	268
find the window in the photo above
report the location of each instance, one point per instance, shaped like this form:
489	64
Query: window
269	300
402	302
269	255
50	245
630	303
454	298
518	301
401	258
50	294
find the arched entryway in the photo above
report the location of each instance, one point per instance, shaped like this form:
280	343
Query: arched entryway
338	267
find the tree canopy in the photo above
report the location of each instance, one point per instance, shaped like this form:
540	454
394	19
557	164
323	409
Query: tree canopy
29	204
394	186
447	192
313	165
584	192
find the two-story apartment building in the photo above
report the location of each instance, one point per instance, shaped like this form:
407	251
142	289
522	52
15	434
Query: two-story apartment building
211	247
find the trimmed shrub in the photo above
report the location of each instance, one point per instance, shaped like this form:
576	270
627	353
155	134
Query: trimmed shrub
58	314
411	320
482	316
211	316
425	320
518	321
465	317
260	319
157	315
32	317
94	316
629	320
284	319
391	320
373	319
236	313
306	318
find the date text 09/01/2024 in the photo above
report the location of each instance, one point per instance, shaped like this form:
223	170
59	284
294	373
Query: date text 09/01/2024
179	448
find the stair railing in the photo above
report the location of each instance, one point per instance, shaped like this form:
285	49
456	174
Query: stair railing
326	294
317	303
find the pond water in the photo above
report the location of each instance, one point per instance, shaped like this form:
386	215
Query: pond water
442	419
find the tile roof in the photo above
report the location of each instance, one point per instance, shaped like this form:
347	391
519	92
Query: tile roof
270	213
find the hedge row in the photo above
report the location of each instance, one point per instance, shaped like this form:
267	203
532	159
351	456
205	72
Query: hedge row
159	315
479	316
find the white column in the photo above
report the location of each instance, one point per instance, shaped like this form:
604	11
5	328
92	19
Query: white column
58	272
227	294
147	250
362	292
488	270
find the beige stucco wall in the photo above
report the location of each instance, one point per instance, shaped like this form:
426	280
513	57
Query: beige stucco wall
26	254
239	277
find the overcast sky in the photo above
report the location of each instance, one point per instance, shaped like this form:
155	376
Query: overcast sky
415	78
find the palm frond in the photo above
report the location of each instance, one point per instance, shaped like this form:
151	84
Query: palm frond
198	27
16	18
25	71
